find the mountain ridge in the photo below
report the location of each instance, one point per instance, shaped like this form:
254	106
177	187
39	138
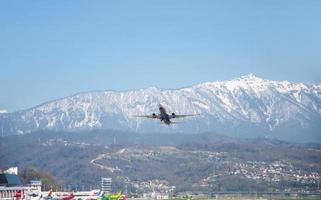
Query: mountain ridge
247	104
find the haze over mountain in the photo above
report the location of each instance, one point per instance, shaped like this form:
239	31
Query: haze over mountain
248	106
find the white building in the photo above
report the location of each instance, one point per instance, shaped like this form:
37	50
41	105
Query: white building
106	184
11	170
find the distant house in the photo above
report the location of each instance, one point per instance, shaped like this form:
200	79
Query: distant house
35	185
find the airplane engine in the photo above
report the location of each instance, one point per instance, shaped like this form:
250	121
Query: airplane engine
154	115
173	115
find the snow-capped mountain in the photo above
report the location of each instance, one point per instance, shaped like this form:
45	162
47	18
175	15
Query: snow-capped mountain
3	111
246	106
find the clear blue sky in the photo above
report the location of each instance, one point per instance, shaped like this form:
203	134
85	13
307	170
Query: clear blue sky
51	49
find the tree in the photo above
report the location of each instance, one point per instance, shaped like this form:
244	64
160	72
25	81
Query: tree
32	173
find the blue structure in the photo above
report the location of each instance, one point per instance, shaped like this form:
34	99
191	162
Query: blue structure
9	180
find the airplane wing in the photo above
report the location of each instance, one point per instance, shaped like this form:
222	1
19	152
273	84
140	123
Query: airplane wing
153	116
172	116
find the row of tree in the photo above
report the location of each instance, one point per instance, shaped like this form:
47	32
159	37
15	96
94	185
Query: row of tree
32	173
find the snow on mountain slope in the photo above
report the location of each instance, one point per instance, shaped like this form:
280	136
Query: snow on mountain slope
3	111
243	104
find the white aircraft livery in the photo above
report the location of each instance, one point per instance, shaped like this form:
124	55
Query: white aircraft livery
164	117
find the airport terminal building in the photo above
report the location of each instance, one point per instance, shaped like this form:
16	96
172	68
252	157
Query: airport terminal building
11	187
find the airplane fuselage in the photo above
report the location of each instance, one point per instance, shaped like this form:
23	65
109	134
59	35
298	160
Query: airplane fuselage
164	117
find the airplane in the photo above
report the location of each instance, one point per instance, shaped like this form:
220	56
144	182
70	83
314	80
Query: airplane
49	196
101	195
68	197
164	117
